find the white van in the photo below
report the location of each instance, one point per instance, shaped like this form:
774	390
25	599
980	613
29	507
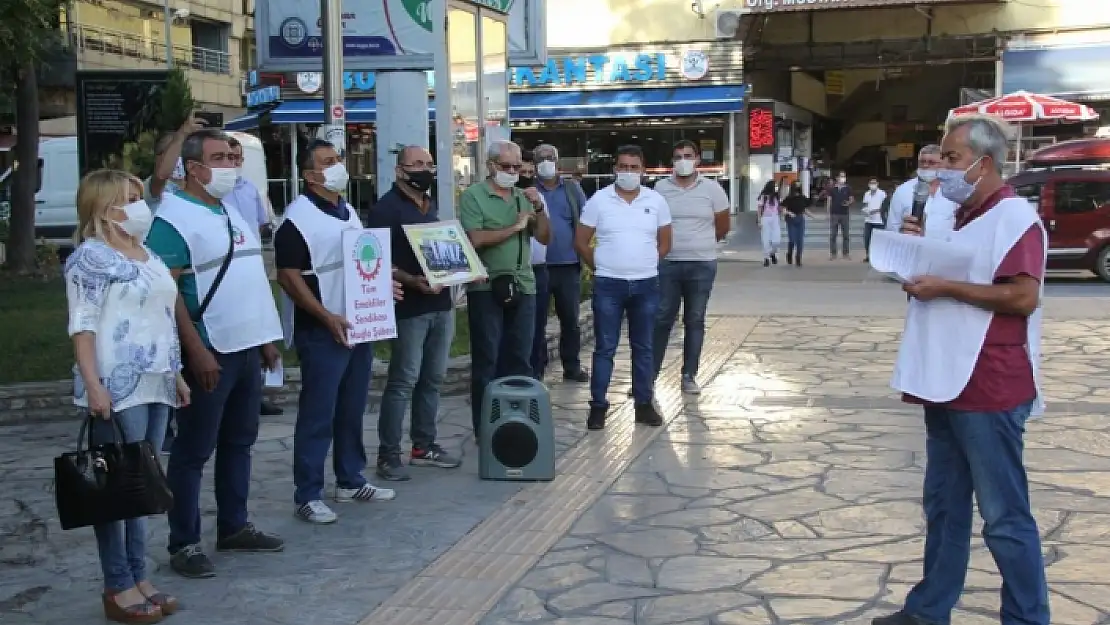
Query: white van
56	193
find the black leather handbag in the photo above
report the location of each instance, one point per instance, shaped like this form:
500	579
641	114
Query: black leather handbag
111	482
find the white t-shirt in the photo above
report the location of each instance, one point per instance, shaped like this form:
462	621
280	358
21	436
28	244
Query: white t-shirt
694	210
873	205
627	233
940	212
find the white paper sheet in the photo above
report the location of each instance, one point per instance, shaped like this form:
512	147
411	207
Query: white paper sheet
275	378
905	257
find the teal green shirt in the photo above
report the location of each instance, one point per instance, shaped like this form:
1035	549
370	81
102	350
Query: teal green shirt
165	241
480	208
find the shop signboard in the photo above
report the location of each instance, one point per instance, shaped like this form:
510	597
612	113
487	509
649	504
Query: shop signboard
391	34
593	69
117	110
761	128
781	6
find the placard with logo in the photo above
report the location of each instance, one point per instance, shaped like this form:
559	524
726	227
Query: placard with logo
445	253
368	282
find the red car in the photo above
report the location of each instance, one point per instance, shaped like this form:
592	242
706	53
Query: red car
1070	183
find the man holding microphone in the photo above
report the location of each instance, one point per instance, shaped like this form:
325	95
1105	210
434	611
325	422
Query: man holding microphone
969	356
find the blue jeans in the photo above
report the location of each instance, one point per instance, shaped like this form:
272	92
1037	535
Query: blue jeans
224	422
122	544
612	300
795	235
500	343
565	285
980	454
335	382
417	368
687	284
539	335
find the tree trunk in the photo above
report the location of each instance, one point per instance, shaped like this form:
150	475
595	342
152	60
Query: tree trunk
25	181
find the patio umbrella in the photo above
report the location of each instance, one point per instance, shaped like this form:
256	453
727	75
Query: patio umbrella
1022	107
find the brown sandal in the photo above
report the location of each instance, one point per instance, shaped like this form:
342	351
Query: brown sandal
168	603
138	614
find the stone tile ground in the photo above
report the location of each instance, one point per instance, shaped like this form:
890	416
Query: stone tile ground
786	494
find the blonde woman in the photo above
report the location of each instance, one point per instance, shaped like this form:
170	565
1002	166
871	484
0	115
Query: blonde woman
121	318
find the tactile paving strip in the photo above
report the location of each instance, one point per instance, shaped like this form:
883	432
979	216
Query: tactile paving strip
464	583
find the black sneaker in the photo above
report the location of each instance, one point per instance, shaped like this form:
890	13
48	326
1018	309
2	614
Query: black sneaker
434	456
391	469
648	415
190	561
577	376
250	539
774	259
789	259
766	262
271	410
898	618
596	420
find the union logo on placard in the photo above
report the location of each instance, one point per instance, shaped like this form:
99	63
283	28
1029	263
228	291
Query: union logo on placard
368	256
420	12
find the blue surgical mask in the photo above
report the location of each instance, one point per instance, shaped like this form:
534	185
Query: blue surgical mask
954	185
928	175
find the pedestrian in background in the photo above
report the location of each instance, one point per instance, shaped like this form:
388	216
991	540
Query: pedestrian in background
838	205
770	233
699	219
121	319
873	210
795	209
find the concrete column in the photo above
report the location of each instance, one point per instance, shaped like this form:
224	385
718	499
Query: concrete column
402	103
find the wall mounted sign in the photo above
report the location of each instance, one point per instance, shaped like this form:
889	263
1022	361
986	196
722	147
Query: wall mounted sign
596	69
266	95
761	129
311	82
781	6
695	65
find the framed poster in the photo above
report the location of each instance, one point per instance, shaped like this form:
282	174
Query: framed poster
117	116
445	253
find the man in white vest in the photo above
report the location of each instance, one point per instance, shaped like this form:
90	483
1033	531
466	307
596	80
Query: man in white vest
335	375
227	322
969	356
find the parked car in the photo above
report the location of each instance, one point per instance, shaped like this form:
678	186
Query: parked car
1070	184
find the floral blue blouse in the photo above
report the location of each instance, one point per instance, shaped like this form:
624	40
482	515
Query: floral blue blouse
129	306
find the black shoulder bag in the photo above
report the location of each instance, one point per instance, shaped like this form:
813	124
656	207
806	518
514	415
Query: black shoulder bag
505	289
219	274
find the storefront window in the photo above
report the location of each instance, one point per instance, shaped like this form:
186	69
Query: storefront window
495	78
462	45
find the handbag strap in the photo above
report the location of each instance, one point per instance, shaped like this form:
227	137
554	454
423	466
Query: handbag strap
219	274
87	429
523	233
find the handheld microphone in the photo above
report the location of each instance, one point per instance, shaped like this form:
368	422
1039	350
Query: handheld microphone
920	198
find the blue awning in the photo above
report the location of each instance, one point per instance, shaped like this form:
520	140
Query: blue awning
610	103
1071	72
246	122
361	111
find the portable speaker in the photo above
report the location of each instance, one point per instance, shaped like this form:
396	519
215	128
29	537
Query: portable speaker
517	437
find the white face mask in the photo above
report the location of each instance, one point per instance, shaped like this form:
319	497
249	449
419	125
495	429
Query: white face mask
873	186
505	180
928	175
547	170
222	183
841	180
336	178
684	167
628	180
138	220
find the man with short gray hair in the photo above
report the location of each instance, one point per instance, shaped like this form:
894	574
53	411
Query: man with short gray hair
500	220
969	356
939	212
564	198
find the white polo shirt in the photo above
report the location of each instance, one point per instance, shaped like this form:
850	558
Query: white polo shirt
627	233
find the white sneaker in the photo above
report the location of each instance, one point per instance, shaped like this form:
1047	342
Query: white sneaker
366	492
316	512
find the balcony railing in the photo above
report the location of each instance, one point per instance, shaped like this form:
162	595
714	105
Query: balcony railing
94	39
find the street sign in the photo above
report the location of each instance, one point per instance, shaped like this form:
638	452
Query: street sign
337	111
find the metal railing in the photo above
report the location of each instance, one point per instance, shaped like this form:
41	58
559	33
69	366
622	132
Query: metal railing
95	39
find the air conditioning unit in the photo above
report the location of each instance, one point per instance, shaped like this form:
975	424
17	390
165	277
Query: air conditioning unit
244	87
726	23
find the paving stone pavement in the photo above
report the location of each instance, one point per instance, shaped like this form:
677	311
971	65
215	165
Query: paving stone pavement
788	492
332	575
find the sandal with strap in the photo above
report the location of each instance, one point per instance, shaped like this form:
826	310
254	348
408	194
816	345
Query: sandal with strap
168	603
138	614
